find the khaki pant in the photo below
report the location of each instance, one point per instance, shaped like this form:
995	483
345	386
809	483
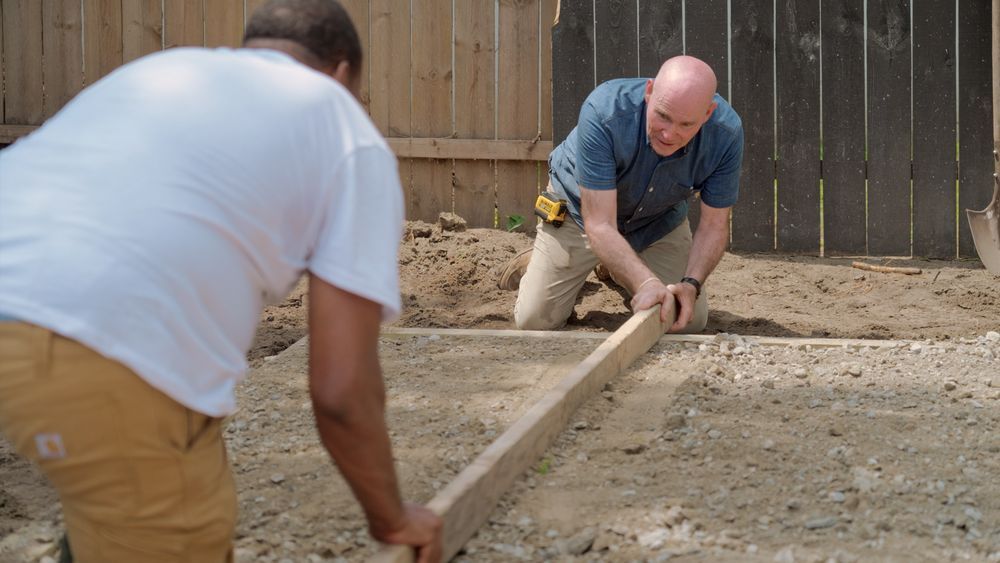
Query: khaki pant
140	477
561	261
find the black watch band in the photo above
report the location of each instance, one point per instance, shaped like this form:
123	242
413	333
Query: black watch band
695	283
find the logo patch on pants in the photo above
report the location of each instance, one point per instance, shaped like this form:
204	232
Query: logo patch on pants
50	446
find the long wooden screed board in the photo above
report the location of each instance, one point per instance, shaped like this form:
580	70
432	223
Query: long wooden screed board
467	502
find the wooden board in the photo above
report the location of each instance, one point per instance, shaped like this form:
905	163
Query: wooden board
3	144
358	10
797	71
184	23
661	34
430	83
468	500
102	38
706	36
142	28
390	76
975	158
475	108
615	53
517	106
572	65
62	33
223	23
752	97
889	128
471	149
843	127
934	197
550	10
22	23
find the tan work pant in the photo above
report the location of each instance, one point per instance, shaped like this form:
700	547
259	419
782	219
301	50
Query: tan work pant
140	477
561	261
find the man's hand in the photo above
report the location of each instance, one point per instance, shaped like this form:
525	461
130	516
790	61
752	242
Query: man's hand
421	530
653	293
686	296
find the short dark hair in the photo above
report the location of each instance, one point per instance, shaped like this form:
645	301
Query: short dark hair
321	26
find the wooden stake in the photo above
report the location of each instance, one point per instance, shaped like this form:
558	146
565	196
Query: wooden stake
468	500
885	269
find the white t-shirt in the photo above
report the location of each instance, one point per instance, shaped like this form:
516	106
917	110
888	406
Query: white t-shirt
156	214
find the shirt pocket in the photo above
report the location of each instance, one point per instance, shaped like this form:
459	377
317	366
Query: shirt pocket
660	194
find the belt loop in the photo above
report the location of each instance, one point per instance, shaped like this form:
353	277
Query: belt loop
43	351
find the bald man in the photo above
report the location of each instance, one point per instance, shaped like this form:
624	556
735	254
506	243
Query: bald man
641	148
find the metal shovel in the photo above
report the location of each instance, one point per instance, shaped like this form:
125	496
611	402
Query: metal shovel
985	226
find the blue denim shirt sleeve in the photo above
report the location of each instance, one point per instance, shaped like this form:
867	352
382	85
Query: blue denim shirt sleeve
595	153
722	187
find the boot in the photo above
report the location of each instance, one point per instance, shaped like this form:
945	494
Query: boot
510	276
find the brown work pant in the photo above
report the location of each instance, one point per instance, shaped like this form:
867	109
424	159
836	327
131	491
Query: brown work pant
561	261
140	477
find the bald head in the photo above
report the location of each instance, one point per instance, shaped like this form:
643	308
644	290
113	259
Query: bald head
686	77
679	101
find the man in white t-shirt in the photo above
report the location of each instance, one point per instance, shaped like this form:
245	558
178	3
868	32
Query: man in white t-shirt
142	230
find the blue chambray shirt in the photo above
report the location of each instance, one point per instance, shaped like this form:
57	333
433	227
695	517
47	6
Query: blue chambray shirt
609	149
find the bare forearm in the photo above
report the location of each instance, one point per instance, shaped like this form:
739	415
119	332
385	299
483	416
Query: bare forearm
707	248
357	439
617	255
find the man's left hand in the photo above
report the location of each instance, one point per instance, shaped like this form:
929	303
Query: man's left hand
654	293
686	296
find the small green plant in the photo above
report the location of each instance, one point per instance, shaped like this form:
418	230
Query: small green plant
544	467
513	222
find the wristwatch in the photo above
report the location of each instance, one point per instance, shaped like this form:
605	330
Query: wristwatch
695	283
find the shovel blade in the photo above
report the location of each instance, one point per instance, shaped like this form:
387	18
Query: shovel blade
985	227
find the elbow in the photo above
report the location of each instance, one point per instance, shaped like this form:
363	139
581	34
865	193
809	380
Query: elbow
341	402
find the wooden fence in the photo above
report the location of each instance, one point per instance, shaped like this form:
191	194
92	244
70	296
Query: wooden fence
867	122
461	88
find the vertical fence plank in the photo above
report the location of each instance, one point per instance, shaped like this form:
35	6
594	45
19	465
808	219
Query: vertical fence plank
22	22
142	28
549	9
430	76
843	127
752	97
223	23
797	68
2	116
661	33
572	65
62	30
889	127
975	116
934	218
615	55
184	22
517	105
390	76
475	108
102	38
707	32
358	10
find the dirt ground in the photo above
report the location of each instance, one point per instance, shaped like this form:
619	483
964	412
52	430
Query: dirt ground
701	453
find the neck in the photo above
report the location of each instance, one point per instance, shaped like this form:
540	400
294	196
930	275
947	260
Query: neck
290	48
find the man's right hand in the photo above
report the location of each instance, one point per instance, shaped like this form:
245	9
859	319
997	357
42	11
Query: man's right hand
651	294
421	529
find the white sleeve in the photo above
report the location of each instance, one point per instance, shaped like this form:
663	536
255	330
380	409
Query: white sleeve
358	245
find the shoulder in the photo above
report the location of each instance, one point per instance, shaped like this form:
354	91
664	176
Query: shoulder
622	98
725	122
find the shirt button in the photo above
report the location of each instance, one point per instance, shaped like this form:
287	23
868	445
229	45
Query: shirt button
640	209
650	190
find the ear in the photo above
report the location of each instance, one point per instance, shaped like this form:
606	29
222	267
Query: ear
711	109
344	74
649	90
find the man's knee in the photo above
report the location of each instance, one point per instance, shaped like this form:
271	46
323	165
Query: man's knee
537	318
